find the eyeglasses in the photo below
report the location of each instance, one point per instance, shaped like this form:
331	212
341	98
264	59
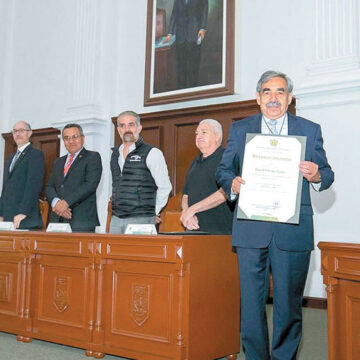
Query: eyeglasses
73	137
19	131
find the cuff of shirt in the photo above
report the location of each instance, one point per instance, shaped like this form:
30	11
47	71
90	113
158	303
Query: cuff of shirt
316	186
54	201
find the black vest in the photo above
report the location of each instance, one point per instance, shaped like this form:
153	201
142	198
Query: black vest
133	189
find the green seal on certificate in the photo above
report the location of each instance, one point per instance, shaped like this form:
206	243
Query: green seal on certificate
273	181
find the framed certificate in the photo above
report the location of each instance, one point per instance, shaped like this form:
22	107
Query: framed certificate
273	181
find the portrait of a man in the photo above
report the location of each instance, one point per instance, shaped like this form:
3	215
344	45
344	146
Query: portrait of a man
188	46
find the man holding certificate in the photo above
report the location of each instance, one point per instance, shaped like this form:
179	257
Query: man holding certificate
270	161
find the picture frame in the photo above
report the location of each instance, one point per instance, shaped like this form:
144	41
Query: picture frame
179	67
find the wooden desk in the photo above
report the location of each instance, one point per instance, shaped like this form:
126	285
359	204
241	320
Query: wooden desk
141	297
340	267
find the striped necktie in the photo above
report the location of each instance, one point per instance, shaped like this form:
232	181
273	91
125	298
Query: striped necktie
68	164
14	160
272	125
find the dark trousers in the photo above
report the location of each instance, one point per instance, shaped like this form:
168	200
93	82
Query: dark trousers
289	270
187	64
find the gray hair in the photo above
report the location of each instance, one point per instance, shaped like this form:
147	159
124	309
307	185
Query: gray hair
267	75
68	126
215	125
27	125
130	113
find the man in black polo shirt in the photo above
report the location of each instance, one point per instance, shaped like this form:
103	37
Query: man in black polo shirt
204	203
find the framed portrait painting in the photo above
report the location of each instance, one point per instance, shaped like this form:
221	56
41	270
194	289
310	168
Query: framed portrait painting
189	50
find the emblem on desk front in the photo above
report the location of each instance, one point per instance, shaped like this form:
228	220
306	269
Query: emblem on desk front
61	298
140	303
4	286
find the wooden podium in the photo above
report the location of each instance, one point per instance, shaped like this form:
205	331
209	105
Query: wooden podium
140	297
340	267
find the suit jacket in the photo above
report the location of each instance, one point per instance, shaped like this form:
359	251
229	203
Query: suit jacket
258	234
78	189
21	188
187	19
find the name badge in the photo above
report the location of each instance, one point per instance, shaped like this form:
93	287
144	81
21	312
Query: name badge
58	227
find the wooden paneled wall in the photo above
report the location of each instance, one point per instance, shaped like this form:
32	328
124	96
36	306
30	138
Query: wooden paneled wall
173	132
46	140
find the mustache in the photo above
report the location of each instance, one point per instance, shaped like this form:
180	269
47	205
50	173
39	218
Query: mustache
273	103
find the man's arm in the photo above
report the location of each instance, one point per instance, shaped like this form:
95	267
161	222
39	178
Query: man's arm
188	216
227	174
318	171
35	174
156	163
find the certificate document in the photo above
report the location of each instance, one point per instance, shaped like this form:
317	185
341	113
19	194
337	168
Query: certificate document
273	181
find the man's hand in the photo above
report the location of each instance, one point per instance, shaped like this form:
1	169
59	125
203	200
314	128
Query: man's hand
235	185
1	219
166	39
62	209
189	219
17	220
310	171
157	219
202	33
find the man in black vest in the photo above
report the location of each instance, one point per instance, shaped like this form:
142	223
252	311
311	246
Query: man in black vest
140	179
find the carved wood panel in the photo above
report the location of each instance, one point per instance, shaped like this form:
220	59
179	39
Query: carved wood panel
61	300
11	298
142	299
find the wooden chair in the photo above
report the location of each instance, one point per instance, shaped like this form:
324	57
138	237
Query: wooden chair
109	214
44	211
170	216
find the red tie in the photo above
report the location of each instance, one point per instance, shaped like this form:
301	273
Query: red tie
68	164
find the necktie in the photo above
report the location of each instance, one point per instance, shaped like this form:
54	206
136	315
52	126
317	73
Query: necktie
68	164
14	160
272	126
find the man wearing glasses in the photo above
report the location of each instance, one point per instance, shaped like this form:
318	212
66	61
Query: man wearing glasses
23	176
71	190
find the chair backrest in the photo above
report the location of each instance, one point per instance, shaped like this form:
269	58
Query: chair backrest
170	216
44	211
109	214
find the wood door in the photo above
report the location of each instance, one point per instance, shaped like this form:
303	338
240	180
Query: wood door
141	309
62	299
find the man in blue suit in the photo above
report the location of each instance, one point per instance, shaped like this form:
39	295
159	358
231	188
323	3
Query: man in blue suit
188	22
286	247
23	177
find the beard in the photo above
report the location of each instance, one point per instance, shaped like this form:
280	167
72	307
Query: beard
129	137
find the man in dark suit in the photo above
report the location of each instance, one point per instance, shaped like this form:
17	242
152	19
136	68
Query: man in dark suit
24	172
286	247
71	190
188	23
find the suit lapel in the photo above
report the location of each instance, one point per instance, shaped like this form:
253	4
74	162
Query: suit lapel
23	154
293	126
75	162
255	126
